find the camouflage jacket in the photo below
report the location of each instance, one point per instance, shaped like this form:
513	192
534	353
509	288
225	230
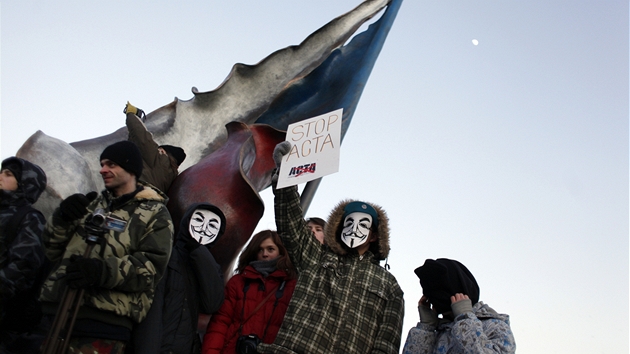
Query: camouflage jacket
343	302
135	259
20	261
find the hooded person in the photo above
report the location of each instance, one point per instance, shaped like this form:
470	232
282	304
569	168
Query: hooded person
344	300
467	324
192	285
22	258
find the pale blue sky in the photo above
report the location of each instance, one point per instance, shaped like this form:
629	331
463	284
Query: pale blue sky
510	156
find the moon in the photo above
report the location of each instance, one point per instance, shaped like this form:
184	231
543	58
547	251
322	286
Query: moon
475	42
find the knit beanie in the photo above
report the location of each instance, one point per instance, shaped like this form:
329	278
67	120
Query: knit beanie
443	278
126	155
178	153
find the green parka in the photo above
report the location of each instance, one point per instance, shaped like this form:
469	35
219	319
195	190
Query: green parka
135	259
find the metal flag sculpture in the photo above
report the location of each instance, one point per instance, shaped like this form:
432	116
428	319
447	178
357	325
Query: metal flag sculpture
229	133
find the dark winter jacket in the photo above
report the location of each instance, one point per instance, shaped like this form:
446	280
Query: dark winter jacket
343	302
156	167
223	329
192	285
134	260
21	260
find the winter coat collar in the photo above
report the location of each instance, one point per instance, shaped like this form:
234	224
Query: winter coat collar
144	192
251	273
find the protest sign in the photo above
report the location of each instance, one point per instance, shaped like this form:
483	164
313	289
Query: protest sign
315	146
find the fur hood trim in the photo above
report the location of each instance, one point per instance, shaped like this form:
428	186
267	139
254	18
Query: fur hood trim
150	192
380	248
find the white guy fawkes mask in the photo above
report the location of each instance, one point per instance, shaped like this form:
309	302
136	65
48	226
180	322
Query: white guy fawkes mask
356	229
204	226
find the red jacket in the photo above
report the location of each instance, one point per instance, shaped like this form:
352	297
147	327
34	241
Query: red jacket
223	329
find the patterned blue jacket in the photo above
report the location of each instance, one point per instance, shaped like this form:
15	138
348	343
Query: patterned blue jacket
481	331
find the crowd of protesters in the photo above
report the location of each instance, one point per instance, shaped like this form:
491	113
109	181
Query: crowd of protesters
311	286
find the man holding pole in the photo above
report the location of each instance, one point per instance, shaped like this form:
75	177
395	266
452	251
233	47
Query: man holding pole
117	272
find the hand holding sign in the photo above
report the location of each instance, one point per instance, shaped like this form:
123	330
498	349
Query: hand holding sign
314	149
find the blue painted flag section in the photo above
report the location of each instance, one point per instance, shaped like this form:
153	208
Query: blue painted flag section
337	83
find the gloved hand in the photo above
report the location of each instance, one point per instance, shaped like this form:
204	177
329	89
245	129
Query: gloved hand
129	108
427	315
279	151
84	272
191	244
75	206
460	303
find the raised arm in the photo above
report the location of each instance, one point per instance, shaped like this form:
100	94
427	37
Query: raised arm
304	249
139	135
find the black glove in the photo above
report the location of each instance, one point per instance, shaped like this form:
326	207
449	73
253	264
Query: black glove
191	244
75	206
84	272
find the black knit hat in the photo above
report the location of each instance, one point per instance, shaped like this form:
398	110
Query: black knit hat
126	155
443	278
178	153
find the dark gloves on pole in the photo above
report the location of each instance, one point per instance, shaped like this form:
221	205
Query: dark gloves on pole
75	206
84	272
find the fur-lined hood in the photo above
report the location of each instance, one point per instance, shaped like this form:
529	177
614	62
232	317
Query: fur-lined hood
380	248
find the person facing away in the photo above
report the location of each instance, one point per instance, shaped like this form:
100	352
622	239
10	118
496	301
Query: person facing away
122	271
256	298
344	301
192	284
160	162
467	325
22	256
317	225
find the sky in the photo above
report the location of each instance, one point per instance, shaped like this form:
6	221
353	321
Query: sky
510	156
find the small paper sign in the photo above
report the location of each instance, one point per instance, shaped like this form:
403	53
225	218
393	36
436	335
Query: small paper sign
315	146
